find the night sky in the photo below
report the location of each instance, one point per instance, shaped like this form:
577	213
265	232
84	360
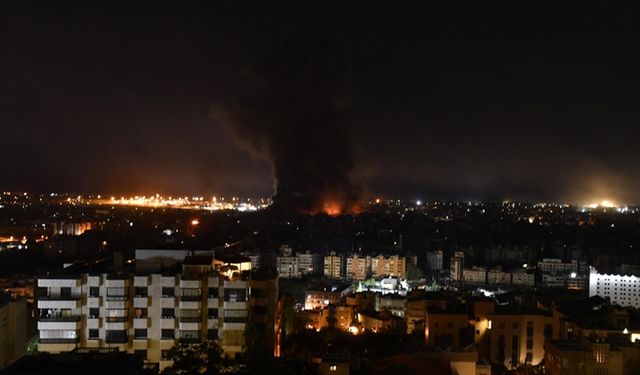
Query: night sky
464	101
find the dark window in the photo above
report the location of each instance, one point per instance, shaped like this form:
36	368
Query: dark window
213	313
450	325
212	334
514	350
529	344
139	312
168	334
65	292
168	292
168	313
501	345
116	337
94	291
94	334
94	312
140	333
141	291
529	329
235	295
213	292
141	353
190	315
164	354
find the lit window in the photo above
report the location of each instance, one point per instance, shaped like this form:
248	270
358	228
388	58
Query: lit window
333	368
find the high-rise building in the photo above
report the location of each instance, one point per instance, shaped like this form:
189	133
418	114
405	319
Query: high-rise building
434	260
13	329
456	266
147	313
310	263
333	265
287	267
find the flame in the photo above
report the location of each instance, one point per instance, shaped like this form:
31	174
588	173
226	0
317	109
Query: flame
332	208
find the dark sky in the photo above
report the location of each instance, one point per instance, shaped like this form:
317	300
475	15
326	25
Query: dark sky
525	100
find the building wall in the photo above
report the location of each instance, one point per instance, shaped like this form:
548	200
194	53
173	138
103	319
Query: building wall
149	313
623	290
512	333
434	260
13	330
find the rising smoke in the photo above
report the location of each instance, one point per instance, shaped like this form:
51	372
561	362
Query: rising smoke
296	112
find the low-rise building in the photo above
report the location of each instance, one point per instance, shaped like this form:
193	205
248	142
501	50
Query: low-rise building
517	336
475	275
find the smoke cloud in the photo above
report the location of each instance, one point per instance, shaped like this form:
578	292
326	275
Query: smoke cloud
296	112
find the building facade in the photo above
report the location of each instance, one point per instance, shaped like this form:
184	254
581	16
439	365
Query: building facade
146	314
623	290
13	329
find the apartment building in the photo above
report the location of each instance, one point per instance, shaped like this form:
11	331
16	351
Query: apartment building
522	277
497	276
333	265
359	267
288	267
475	275
310	263
299	265
434	260
456	266
590	355
13	329
147	313
623	290
517	337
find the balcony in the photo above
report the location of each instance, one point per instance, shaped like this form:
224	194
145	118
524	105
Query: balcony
189	305
234	305
59	281
140	323
140	301
59	341
94	301
59	302
168	301
190	326
59	323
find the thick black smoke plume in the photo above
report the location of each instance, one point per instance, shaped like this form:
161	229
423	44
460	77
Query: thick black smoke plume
296	112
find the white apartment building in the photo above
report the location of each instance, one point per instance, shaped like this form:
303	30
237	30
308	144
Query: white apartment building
302	264
522	277
554	265
310	263
434	260
146	314
497	276
287	267
475	275
623	290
